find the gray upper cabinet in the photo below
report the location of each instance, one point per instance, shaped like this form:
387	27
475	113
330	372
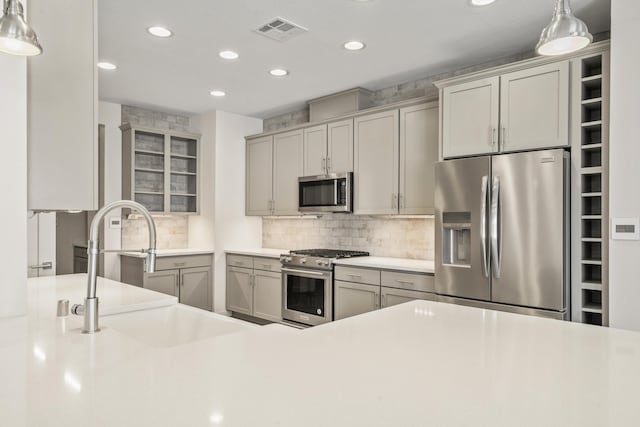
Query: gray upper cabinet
525	109
340	146
534	108
259	176
287	168
62	100
328	148
315	150
418	156
376	164
160	169
470	113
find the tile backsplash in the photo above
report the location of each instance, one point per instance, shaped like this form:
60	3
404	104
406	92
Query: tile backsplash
172	232
390	237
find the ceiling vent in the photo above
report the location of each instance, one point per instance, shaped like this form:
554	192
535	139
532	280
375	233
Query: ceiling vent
280	29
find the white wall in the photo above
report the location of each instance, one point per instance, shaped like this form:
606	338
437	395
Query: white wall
110	115
624	277
223	224
13	215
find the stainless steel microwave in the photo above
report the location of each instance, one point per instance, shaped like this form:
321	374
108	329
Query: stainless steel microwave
326	193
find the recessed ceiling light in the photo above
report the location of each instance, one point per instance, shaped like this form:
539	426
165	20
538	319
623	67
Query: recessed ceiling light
278	72
159	31
107	65
228	54
481	2
354	45
218	93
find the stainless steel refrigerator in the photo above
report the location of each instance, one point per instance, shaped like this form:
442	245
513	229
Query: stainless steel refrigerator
502	232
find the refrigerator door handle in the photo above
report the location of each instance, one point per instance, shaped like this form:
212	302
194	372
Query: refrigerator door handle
496	224
483	225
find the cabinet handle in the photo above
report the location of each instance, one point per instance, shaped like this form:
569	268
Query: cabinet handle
267	266
401	200
356	277
323	164
328	164
377	299
394	201
493	136
405	282
179	264
384	300
504	136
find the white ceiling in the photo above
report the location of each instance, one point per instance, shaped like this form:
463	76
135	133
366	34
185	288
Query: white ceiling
406	39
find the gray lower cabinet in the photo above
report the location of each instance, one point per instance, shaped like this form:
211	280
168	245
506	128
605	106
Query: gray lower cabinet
254	287
354	298
190	277
393	296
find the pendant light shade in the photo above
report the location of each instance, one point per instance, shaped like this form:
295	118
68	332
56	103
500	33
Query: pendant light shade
565	33
16	36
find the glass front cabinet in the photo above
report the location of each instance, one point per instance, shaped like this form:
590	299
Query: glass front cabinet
160	169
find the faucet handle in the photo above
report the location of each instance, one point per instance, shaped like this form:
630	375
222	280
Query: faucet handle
151	261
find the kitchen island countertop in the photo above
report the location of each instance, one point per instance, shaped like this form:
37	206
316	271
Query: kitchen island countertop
414	364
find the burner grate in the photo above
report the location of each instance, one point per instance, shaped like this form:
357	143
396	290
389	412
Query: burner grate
329	253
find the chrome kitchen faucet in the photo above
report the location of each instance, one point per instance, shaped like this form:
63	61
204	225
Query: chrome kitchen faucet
90	307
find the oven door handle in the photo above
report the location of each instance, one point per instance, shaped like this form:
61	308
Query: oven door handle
314	273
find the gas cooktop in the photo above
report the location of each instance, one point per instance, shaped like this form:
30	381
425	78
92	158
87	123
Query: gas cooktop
329	253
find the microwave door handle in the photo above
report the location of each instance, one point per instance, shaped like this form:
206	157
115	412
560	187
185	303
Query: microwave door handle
335	192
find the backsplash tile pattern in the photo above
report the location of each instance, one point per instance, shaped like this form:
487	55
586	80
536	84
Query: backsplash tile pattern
171	232
389	237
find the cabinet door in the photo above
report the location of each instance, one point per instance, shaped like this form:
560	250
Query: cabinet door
267	295
240	290
418	157
195	287
470	118
534	108
376	163
354	298
287	168
315	150
340	146
259	176
62	107
166	282
391	296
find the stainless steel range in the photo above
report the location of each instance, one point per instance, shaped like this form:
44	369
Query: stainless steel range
307	284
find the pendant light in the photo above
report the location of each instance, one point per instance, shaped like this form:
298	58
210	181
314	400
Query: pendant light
16	36
565	33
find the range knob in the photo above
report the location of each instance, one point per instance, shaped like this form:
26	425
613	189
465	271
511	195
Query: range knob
285	259
303	260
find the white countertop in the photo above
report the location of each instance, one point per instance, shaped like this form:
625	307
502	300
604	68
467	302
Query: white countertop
115	297
415	364
384	263
171	252
260	252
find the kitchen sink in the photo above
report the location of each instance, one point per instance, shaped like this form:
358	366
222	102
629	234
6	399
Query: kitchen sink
173	326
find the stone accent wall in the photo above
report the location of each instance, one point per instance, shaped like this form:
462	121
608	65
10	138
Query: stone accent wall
172	232
389	237
155	119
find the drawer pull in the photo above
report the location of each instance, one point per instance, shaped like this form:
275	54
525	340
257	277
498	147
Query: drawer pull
179	264
266	265
405	282
355	276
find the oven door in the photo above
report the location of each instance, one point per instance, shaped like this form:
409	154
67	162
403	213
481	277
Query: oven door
307	296
325	193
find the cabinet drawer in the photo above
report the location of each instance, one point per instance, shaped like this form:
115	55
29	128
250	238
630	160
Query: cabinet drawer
240	261
267	264
79	252
410	281
358	275
190	261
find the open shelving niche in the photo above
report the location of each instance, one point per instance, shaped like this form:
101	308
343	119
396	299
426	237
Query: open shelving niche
160	169
590	201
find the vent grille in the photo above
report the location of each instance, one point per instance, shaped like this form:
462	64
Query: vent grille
280	29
